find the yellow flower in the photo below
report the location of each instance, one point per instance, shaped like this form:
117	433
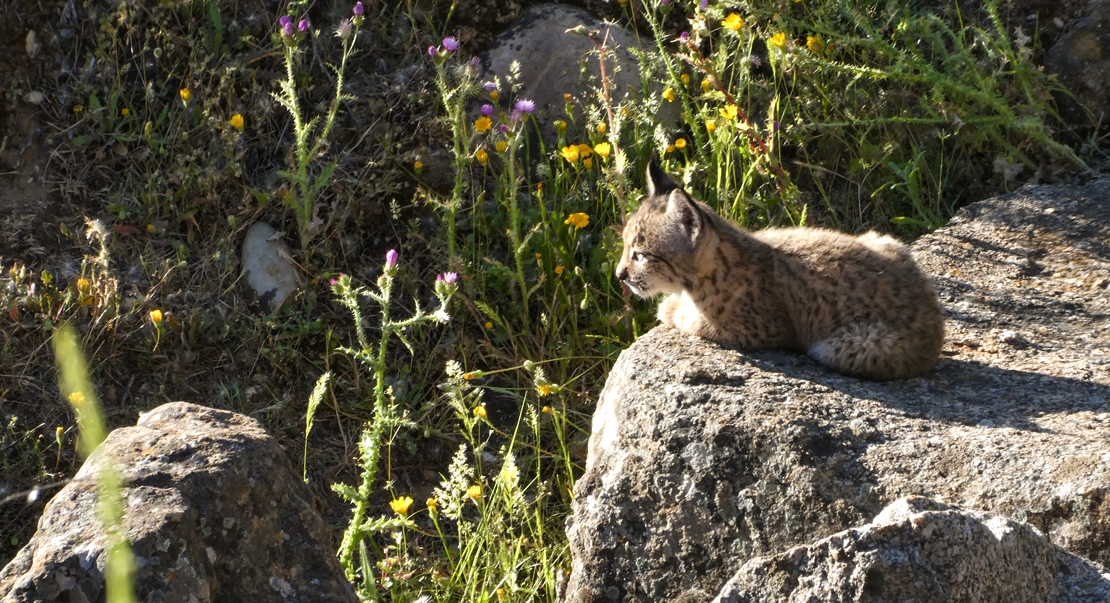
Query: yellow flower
603	149
729	111
560	125
547	410
584	150
544	390
418	167
510	473
76	398
78	108
488	325
500	593
151	228
578	219
570	153
566	97
185	95
237	121
680	144
431	504
779	39
501	145
468	376
481	155
494	95
559	270
474	491
670	149
401	505
480	412
669	94
156	317
733	21
602	127
587	163
539	256
83	285
705	85
710	126
483	124
125	111
685	77
814	44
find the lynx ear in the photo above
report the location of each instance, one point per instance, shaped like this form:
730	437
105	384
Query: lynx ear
658	182
684	211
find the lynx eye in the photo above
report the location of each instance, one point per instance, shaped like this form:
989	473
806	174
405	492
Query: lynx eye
639	256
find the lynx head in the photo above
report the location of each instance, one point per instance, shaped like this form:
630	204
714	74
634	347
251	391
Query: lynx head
660	239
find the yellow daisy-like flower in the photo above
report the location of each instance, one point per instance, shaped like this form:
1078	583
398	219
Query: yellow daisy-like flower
488	325
730	111
78	108
669	94
418	167
733	21
76	398
570	153
125	111
480	412
680	144
603	149
566	97
401	505
544	390
587	163
494	95
685	77
156	317
236	121
778	40
539	256
705	85
83	285
814	44
547	410
670	149
584	150
710	126
483	124
560	125
559	270
431	504
474	491
510	473
481	155
578	220
186	94
602	128
501	145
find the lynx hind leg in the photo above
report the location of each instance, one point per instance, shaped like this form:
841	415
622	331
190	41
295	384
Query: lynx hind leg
883	244
869	350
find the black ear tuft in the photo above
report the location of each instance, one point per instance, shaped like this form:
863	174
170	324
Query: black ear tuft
658	182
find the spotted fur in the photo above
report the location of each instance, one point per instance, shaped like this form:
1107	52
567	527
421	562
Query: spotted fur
859	305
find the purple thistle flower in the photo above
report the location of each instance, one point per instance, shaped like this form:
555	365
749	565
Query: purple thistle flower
302	25
490	86
704	4
756	61
433	51
288	30
487	110
504	128
451	44
286	25
358	9
524	105
684	36
474	61
450	277
664	2
390	259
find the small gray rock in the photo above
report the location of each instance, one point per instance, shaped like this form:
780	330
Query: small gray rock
267	267
1081	60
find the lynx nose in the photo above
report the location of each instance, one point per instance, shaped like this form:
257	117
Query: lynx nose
622	272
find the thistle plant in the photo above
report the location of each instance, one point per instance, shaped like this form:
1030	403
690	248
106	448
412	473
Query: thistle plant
386	416
308	142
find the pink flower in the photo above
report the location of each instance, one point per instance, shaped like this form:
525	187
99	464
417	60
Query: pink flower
391	259
450	277
433	51
525	105
450	44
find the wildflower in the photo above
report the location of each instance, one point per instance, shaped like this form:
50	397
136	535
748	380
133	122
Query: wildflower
669	94
814	44
503	128
474	491
755	61
490	86
151	228
493	94
566	97
358	9
705	85
488	325
156	316
578	220
500	592
447	283
83	286
670	149
186	94
302	25
474	61
450	44
391	259
603	149
570	153
483	124
680	144
547	410
560	126
76	398
778	39
587	163
125	111
684	36
433	51
286	23
685	77
473	375
729	111
78	108
510	473
481	155
501	145
345	28
704	4
733	21
401	505
584	150
237	121
480	412
602	127
487	110
559	270
418	167
710	126
431	504
524	105
544	390
539	256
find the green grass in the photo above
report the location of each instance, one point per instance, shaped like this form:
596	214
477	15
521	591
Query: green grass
467	438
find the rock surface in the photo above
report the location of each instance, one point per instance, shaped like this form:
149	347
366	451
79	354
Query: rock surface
214	512
703	457
1081	61
267	268
919	550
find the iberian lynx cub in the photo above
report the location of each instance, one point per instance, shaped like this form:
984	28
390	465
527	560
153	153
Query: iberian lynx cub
859	305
